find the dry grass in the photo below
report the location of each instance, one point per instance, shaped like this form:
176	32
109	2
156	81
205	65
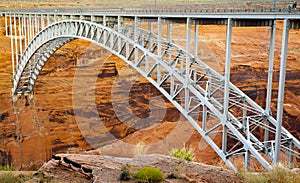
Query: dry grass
277	174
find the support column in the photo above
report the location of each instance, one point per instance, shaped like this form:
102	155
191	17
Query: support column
56	19
6	31
104	24
42	21
247	153
226	84
159	27
20	35
15	37
12	46
30	28
48	20
170	34
195	50
285	38
150	32
24	30
187	63
270	80
196	40
204	117
119	30
170	31
135	29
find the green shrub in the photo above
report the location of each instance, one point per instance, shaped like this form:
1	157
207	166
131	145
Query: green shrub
149	174
7	178
183	153
7	168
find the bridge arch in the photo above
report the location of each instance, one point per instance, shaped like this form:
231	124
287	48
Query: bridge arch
172	70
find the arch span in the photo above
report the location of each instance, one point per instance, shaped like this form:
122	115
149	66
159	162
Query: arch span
195	89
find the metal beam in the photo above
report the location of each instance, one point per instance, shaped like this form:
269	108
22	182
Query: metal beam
270	80
285	38
159	30
20	34
226	84
15	37
5	19
12	46
196	39
135	30
187	63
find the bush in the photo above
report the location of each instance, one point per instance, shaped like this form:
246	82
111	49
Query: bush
7	178
125	174
277	174
149	174
183	153
281	175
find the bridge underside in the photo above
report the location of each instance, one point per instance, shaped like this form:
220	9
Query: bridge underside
211	103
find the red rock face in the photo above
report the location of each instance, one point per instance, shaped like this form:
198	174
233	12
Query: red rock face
86	98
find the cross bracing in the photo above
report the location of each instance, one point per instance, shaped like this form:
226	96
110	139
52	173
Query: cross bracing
208	100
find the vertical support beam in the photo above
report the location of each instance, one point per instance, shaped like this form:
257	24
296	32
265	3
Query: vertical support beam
135	30
270	80
247	153
187	63
24	30
20	35
119	30
285	38
172	85
159	27
204	117
150	32
196	40
196	50
30	28
170	34
104	24
42	21
12	46
6	31
170	31
27	30
15	37
226	83
35	25
56	19
48	20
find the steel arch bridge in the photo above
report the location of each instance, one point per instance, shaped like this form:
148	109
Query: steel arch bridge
208	100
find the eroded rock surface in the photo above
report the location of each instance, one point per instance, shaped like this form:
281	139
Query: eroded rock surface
109	169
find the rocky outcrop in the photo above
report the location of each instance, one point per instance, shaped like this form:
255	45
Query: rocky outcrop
97	168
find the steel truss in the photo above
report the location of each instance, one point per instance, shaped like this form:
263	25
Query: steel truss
209	101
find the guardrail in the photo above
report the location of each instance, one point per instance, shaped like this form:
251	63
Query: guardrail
164	10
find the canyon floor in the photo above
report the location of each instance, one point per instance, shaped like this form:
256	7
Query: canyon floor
88	101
